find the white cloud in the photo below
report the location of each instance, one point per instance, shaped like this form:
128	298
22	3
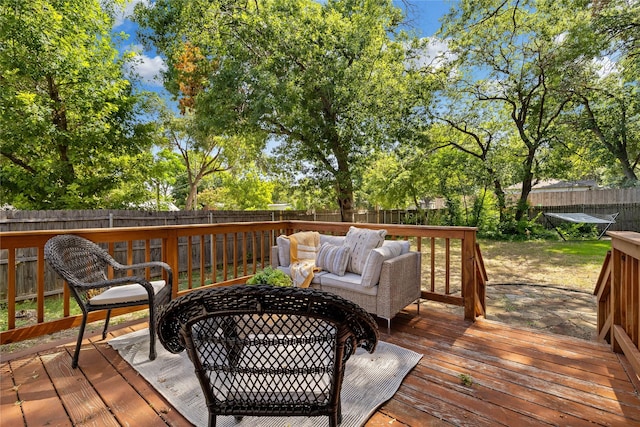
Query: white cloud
125	13
605	66
148	68
434	53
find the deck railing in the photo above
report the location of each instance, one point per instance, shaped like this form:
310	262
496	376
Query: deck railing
618	295
218	255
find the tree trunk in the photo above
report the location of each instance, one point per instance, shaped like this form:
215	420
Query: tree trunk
59	119
345	201
191	197
502	200
527	184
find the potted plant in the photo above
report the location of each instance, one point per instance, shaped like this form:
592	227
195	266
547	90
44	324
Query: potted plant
270	276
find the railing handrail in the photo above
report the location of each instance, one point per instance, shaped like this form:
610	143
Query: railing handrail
232	240
617	291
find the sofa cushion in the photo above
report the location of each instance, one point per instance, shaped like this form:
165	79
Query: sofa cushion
284	250
333	258
334	240
361	241
350	281
404	244
373	267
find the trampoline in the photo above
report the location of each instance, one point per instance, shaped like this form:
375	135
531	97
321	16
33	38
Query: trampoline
582	218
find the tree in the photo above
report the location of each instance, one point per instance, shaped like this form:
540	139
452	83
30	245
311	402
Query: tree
202	153
479	132
618	22
70	134
167	165
240	190
610	111
324	80
607	89
398	179
511	55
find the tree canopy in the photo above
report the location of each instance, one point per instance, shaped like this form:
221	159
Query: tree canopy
70	131
325	81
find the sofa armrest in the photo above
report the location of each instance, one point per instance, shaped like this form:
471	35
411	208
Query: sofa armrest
400	283
273	257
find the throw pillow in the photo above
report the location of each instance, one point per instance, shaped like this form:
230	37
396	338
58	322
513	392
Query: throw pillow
373	266
361	241
284	250
333	258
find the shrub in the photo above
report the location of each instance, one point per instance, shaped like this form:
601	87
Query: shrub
270	276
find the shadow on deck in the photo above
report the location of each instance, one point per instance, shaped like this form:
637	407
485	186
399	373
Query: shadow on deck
514	376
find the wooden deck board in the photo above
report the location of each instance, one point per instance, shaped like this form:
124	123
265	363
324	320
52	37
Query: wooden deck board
10	411
76	392
39	400
520	377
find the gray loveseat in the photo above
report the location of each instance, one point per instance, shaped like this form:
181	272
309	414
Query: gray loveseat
388	279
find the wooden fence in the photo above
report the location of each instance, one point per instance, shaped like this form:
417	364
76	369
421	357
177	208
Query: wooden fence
617	196
80	219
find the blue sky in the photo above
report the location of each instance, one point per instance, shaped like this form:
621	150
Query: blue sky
423	16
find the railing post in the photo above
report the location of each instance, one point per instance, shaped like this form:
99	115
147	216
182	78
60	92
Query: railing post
469	283
616	303
170	250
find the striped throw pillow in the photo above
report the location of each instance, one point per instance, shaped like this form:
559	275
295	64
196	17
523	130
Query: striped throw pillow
333	258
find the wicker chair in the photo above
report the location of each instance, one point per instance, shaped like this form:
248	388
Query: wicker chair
84	265
267	351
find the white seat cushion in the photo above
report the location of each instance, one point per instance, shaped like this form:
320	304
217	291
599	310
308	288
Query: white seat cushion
350	282
126	293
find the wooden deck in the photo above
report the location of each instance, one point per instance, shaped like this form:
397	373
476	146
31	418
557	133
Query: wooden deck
519	378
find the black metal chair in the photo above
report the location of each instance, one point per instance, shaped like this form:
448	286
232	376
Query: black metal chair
84	266
267	351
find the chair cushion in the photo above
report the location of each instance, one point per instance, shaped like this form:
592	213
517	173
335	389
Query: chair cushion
126	293
373	267
361	241
333	258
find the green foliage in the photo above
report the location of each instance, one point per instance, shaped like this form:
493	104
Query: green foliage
578	231
522	229
510	57
270	276
324	80
70	134
239	190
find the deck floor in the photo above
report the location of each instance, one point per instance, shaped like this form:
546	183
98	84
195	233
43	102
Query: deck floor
517	377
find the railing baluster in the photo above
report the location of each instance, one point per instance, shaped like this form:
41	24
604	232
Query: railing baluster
214	258
202	256
433	264
244	254
11	288
447	268
224	256
40	285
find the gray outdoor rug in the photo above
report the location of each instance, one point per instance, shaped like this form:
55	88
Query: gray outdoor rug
370	380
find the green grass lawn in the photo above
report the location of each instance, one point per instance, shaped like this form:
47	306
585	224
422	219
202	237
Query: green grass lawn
570	264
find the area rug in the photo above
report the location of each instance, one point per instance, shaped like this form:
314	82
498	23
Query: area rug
370	380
